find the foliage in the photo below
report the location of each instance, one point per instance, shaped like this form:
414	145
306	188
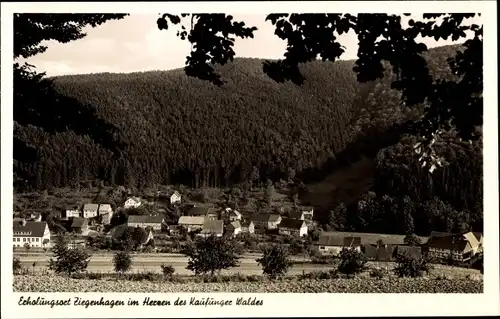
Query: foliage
310	36
68	260
411	266
351	261
122	261
275	261
412	240
211	254
167	270
16	265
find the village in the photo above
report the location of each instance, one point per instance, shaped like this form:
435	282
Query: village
99	227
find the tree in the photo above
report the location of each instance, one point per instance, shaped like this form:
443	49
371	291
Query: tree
125	241
351	261
337	217
68	261
27	246
211	254
122	261
167	270
455	103
270	193
120	218
16	265
411	266
412	240
275	261
139	236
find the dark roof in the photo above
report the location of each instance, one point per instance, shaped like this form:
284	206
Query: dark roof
338	240
145	219
30	229
296	214
478	235
78	222
234	225
352	241
440	234
291	223
191	220
372	238
213	227
90	207
453	242
260	218
246	223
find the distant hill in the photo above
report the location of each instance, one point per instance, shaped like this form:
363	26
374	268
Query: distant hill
142	128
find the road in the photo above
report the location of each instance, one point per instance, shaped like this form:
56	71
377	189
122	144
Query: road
141	263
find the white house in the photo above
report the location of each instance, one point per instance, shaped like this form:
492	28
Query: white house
35	234
132	202
90	210
294	227
308	213
333	244
231	215
191	223
73	211
175	198
247	226
106	212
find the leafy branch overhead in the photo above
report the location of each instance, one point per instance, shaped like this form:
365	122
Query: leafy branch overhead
384	40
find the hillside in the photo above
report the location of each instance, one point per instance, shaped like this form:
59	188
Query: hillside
139	129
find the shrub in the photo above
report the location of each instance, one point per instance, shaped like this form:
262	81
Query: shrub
411	266
275	262
68	261
351	261
122	261
211	254
412	240
167	270
16	265
378	273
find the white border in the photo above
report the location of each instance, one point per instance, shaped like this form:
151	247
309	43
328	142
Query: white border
282	305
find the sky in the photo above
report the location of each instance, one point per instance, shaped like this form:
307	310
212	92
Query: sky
136	44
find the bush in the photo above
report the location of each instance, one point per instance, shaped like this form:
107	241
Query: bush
122	261
68	261
167	270
275	262
351	261
411	266
16	265
378	273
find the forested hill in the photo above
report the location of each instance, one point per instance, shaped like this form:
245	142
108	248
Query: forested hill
137	129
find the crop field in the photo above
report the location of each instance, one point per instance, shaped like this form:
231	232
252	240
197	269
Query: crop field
50	283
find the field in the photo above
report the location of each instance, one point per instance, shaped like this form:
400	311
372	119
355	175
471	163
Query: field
48	283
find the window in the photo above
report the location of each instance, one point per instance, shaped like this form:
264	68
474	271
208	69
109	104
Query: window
37	239
322	247
24	239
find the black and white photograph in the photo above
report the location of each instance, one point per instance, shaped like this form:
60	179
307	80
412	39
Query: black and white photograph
230	152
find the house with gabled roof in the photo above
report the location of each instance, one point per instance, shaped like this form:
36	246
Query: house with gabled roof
296	214
233	228
191	223
308	213
332	244
72	211
267	221
293	227
90	210
35	234
212	227
155	222
247	226
231	215
105	213
132	202
460	248
79	225
175	197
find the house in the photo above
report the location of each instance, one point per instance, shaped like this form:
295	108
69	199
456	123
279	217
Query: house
79	225
379	253
106	213
209	212
132	202
294	227
479	237
414	251
233	228
73	211
34	217
191	223
155	222
267	221
461	247
247	227
35	234
231	215
90	210
332	244
212	227
296	214
308	213
175	198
